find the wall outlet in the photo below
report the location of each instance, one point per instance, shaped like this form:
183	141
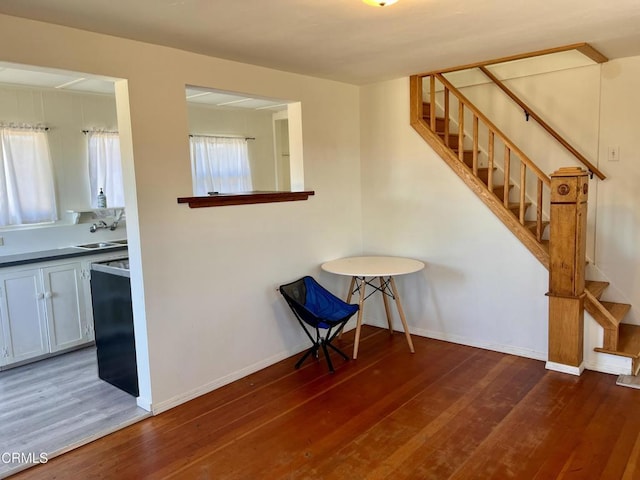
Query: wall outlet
613	154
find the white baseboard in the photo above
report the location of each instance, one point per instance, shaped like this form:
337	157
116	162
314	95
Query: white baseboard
220	382
599	363
509	349
562	368
612	364
144	403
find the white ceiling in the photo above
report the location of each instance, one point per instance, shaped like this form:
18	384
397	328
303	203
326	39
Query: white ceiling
348	41
47	78
229	100
23	75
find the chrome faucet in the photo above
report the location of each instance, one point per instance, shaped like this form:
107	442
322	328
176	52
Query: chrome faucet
96	226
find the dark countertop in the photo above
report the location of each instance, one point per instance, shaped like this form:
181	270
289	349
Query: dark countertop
56	254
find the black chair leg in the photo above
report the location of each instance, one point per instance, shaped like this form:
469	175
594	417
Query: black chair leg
326	355
340	352
323	343
312	351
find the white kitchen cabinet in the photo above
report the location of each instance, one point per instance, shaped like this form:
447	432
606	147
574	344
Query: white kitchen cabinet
65	306
24	332
43	310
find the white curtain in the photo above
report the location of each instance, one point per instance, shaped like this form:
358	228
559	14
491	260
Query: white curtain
27	192
105	168
220	164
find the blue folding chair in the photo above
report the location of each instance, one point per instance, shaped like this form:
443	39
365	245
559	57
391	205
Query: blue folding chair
318	308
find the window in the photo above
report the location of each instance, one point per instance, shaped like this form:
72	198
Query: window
105	168
27	193
220	164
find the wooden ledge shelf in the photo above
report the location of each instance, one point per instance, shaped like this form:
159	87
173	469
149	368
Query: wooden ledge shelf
224	199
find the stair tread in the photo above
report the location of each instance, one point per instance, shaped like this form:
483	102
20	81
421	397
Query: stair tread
440	123
516	205
596	288
426	113
628	342
617	310
453	141
467	156
533	224
469	160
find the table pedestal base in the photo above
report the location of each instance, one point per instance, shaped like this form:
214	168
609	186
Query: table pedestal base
387	287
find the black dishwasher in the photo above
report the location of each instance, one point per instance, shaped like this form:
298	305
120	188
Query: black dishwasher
113	324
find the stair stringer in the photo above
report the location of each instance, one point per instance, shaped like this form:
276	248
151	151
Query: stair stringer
481	190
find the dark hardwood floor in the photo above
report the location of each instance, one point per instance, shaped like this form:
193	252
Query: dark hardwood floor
446	412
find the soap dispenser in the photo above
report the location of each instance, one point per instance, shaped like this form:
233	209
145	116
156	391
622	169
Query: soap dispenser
102	199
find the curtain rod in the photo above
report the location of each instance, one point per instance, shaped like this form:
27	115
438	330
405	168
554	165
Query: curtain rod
221	136
97	131
24	127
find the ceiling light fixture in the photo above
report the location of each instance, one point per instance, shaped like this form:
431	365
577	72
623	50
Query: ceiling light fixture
380	3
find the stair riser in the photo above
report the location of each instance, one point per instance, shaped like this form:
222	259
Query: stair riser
498	190
483	174
610	341
534	227
453	139
439	123
514	207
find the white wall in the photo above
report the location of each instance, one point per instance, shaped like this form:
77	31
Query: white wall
618	215
473	289
203	280
66	113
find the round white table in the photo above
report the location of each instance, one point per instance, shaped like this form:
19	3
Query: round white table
363	271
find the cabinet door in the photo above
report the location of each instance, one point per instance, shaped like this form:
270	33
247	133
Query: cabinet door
65	306
22	316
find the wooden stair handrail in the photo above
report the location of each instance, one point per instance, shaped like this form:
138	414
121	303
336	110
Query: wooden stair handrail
528	110
467	103
584	48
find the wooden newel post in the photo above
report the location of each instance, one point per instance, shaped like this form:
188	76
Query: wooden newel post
567	252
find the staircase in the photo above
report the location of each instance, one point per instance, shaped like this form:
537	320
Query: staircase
511	185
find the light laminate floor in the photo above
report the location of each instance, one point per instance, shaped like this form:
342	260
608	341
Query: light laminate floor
55	405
